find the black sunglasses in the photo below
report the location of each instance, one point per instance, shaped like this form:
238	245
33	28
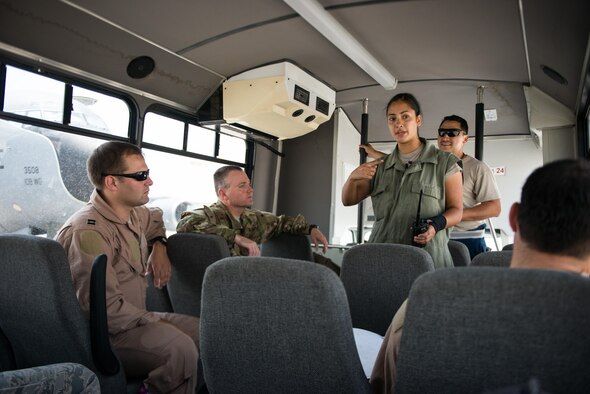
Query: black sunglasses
449	132
138	176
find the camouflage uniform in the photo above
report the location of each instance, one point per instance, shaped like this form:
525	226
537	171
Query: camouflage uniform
55	378
253	224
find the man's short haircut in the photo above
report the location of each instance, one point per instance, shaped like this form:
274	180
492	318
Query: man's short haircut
108	158
456	118
554	205
220	175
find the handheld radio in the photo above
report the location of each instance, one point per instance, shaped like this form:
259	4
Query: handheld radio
420	225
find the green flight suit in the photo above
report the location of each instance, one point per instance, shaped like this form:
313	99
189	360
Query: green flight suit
395	192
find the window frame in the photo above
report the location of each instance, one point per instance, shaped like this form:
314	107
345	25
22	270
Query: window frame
68	99
159	109
134	133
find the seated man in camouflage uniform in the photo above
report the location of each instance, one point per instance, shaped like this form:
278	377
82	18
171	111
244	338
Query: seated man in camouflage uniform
232	218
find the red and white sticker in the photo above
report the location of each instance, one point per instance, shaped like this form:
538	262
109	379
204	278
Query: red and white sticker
498	171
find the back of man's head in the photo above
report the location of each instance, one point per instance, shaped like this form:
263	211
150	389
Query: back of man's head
554	205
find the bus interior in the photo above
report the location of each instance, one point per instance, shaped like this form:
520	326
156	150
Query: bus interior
169	71
286	89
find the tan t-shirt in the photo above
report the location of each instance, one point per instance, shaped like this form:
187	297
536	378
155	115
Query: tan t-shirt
479	185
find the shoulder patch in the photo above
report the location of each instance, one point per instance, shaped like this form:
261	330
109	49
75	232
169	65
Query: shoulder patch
91	242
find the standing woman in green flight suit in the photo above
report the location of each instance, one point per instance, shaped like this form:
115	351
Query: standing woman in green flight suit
396	181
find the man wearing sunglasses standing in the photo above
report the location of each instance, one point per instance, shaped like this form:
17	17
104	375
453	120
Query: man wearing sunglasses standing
481	198
116	222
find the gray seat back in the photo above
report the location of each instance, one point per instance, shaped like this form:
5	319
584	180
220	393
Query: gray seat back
190	254
157	300
289	246
39	313
483	328
377	279
493	259
459	253
272	325
102	353
7	361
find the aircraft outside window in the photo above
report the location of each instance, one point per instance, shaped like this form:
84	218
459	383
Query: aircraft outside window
44	169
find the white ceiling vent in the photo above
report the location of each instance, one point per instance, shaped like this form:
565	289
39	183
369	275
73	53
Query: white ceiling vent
278	99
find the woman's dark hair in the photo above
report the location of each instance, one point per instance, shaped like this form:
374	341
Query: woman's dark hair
407	98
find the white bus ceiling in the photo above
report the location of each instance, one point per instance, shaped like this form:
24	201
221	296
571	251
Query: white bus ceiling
196	45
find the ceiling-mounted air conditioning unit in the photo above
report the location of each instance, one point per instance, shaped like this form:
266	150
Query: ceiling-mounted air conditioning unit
279	99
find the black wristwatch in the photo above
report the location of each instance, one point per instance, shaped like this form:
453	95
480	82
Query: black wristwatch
163	240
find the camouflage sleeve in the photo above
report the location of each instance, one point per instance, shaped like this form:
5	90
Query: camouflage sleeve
275	225
197	221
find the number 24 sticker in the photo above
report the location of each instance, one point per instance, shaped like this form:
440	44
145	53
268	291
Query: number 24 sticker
500	171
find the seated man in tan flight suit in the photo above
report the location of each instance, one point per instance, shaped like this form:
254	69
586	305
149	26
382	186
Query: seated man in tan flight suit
161	346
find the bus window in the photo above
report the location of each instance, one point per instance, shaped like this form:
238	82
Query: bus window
33	95
232	147
180	183
43	176
163	131
99	112
44	167
201	140
40	97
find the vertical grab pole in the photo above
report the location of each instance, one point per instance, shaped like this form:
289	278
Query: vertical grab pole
493	231
363	158
479	118
479	122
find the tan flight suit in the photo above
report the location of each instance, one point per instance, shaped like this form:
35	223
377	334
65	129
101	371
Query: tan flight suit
145	343
384	370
